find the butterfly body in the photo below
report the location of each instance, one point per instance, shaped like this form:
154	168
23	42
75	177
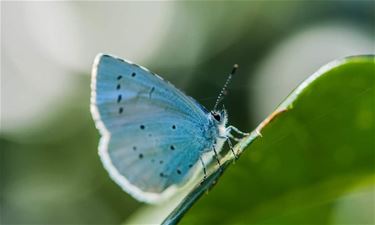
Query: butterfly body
153	135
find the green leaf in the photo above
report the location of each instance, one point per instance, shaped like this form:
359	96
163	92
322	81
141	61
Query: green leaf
315	149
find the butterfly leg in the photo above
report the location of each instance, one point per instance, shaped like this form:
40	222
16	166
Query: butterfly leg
230	128
217	158
234	138
204	169
231	148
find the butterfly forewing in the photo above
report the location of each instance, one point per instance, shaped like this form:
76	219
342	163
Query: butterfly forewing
151	132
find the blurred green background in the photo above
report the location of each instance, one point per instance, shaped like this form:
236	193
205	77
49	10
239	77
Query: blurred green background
50	172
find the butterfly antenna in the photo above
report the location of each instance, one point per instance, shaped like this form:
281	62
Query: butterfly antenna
224	89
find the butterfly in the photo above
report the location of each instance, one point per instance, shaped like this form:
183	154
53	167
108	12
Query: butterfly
154	138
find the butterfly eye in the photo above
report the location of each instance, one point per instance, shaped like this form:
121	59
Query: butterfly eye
216	116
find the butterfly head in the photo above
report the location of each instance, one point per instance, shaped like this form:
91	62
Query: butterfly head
219	117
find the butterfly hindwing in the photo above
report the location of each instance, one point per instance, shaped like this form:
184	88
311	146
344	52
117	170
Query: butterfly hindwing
151	132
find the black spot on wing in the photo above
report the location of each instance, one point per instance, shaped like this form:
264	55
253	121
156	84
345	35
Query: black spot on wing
151	91
119	97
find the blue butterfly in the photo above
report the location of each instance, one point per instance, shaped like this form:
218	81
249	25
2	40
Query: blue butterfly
154	137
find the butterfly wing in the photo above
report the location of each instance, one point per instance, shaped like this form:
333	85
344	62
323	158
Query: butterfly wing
152	134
